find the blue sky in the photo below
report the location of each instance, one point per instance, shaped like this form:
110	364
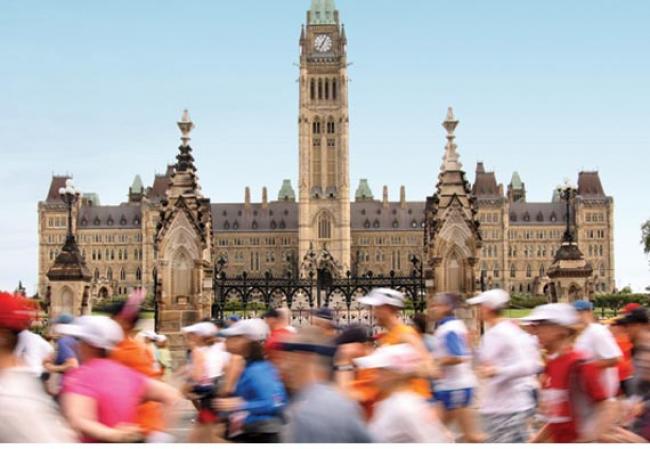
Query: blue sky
547	88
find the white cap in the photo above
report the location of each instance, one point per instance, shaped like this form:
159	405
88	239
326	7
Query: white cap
202	329
255	329
97	331
493	299
558	313
383	296
161	338
151	335
403	358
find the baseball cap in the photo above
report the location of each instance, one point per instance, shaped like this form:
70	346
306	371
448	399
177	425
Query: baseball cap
403	358
161	338
324	313
383	296
202	329
493	299
636	316
271	313
630	307
97	331
254	329
557	313
583	305
233	318
16	312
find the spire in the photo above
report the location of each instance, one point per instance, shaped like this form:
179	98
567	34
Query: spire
385	196
363	192
515	182
185	160
322	12
302	35
136	186
286	191
451	159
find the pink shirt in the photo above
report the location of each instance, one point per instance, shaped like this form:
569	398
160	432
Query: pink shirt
117	390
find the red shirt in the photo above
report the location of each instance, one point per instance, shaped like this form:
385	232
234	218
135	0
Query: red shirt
275	338
570	387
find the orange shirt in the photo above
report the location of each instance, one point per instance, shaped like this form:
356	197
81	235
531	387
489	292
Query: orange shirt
365	391
396	336
136	356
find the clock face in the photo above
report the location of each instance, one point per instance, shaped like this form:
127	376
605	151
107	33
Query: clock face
323	43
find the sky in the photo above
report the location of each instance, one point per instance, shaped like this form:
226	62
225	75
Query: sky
547	88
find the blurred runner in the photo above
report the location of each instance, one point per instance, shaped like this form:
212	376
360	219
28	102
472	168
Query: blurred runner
164	357
454	389
101	397
323	319
506	362
318	412
65	358
279	333
134	354
255	411
598	344
573	398
358	383
402	416
34	351
625	367
27	413
387	305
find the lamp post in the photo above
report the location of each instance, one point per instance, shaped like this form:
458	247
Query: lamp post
69	195
567	192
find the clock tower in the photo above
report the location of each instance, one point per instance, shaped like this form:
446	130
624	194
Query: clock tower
324	185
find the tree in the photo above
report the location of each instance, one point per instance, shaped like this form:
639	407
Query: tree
645	237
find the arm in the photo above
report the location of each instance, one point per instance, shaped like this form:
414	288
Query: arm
164	394
81	413
457	349
603	420
269	397
542	436
232	372
69	364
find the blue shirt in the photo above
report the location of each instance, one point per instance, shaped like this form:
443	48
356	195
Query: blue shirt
261	389
66	349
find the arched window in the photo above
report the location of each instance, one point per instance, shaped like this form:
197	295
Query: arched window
109	274
542	271
529	271
496	271
312	89
334	93
602	270
324	227
320	89
122	274
96	274
138	274
513	271
327	89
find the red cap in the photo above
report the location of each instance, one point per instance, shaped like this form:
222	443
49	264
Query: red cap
16	312
630	307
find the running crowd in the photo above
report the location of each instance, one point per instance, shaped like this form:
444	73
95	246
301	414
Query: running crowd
557	375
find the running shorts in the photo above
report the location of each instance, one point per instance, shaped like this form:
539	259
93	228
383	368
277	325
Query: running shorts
453	399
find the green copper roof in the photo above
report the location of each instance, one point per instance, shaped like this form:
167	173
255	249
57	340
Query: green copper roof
322	12
286	191
137	187
92	198
516	181
363	191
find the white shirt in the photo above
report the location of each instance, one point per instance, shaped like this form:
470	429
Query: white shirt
510	351
598	343
406	417
216	359
33	350
454	377
27	413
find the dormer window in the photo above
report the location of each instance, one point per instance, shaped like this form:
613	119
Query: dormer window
282	224
226	225
84	221
225	213
513	217
136	221
414	224
123	221
526	216
366	224
274	225
395	224
540	216
375	224
235	225
97	222
254	225
363	212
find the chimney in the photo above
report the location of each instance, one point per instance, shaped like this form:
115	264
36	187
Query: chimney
265	198
385	197
402	196
247	197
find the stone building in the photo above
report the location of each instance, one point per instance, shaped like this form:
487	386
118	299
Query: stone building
487	236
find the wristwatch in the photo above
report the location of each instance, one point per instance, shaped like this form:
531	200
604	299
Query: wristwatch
344	368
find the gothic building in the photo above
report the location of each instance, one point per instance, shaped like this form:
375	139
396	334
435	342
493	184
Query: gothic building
472	235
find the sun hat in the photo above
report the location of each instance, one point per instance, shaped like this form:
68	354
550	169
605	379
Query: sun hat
16	312
202	329
583	305
384	296
557	313
97	331
493	299
254	329
402	357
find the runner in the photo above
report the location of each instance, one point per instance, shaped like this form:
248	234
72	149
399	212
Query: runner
402	416
454	389
318	412
573	398
506	364
27	413
387	305
65	358
279	334
101	397
255	411
164	357
598	344
323	319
